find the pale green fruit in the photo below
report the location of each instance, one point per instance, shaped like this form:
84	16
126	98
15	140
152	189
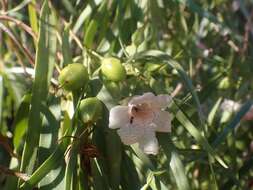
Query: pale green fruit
90	110
73	77
112	69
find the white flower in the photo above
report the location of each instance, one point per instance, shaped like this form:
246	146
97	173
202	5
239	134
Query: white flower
139	121
230	105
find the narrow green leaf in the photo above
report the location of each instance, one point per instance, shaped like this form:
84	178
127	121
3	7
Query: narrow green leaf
19	6
43	71
143	157
100	182
52	45
144	164
71	156
66	50
71	168
114	154
56	158
55	178
174	162
236	120
90	33
92	28
129	175
82	18
182	118
46	167
33	17
213	112
190	86
178	171
51	162
199	10
150	178
67	4
21	120
82	176
48	139
1	99
112	140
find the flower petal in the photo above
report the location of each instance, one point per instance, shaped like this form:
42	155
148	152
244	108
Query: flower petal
230	105
161	101
118	117
148	143
162	122
145	98
130	134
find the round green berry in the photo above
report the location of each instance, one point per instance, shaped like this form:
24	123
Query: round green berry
90	109
73	77
112	69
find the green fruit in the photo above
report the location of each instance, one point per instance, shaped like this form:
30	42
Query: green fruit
112	69
225	83
113	88
73	77
90	109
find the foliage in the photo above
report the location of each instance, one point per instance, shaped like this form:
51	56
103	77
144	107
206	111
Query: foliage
197	51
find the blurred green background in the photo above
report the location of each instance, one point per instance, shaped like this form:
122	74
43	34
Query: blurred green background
198	51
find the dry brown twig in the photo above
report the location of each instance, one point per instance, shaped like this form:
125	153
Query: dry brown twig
20	45
4	142
180	86
19	23
10	172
